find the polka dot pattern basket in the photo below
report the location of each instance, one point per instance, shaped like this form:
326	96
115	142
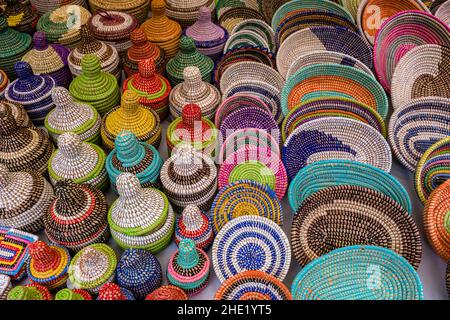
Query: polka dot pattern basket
167	293
195	225
113	292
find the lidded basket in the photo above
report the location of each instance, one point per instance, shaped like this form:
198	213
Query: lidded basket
72	294
113	292
32	291
195	225
21	16
137	8
18	112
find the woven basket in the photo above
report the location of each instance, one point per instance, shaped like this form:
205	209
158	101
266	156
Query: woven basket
232	17
167	293
24	198
443	13
62	25
21	16
95	87
139	271
394	40
18	112
138	158
260	27
245	198
251	243
433	169
23	149
268	8
331	107
50	60
14	264
137	8
144	123
185	12
152	88
188	268
371	14
329	173
142	49
333	80
253	285
195	225
14	45
80	161
161	30
245	38
338	139
416	126
358	273
140	218
209	38
5	286
422	72
435	220
32	291
113	292
77	216
4	82
322	39
72	294
189	178
44	6
92	267
71	116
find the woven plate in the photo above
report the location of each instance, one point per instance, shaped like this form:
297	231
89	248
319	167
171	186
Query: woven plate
416	126
322	39
433	168
422	72
344	215
358	273
333	80
401	33
245	38
335	138
253	285
258	26
251	243
328	173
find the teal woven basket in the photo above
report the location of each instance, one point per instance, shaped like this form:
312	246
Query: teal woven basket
358	273
328	173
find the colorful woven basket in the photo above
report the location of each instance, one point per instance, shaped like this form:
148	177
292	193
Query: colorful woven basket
4	82
24	199
245	198
95	87
152	88
106	53
137	8
189	177
14	253
422	72
142	49
167	293
14	45
334	138
92	267
253	285
80	161
133	156
62	25
44	6
245	38
141	217
185	12
416	126
443	13
433	169
195	225
131	116
29	292
77	216
401	33
435	220
113	28
71	116
32	91
358	273
72	294
5	286
333	80
188	268
161	30
209	38
18	112
328	173
322	39
20	16
23	148
113	292
194	91
232	17
260	27
251	243
139	271
188	56
192	129
371	14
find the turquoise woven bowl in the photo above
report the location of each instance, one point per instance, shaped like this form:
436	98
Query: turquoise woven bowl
328	173
358	273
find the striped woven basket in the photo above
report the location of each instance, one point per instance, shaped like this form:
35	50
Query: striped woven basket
167	293
18	112
44	6
185	12
443	13
260	27
21	16
195	225
245	38
232	17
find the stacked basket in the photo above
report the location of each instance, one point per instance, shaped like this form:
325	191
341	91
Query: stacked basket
137	8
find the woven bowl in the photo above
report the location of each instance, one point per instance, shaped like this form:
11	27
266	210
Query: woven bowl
358	273
329	173
416	126
232	17
44	6
245	38
260	27
443	13
138	8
